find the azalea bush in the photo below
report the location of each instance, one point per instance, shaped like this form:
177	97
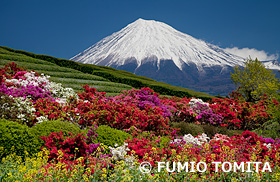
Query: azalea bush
72	146
229	113
243	115
8	107
143	98
25	88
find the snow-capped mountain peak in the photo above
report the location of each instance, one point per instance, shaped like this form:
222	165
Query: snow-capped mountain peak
158	51
143	39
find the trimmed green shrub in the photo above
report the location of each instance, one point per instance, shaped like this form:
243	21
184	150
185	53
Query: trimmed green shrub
229	132
212	130
54	126
17	138
188	128
110	136
195	129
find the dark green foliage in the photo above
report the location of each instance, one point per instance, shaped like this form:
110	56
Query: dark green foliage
274	110
17	138
54	126
212	130
195	129
110	136
188	128
229	132
270	129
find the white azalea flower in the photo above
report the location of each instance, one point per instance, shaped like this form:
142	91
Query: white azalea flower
120	153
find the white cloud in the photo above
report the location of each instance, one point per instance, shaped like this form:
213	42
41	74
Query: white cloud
253	53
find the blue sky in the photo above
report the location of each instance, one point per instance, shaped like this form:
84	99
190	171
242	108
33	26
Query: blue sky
63	28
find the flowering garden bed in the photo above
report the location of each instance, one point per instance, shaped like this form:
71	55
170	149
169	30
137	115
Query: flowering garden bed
112	136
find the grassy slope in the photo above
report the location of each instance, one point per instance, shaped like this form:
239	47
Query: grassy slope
103	78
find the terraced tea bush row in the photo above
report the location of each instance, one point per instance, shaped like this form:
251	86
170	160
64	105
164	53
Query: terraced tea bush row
91	82
99	88
32	66
83	76
109	89
22	58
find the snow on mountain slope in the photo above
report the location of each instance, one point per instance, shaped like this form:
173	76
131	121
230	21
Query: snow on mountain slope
273	64
146	38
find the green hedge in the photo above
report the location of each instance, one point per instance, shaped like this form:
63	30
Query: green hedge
195	129
22	58
17	138
47	127
110	136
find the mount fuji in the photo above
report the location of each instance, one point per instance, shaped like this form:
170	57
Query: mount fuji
158	51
